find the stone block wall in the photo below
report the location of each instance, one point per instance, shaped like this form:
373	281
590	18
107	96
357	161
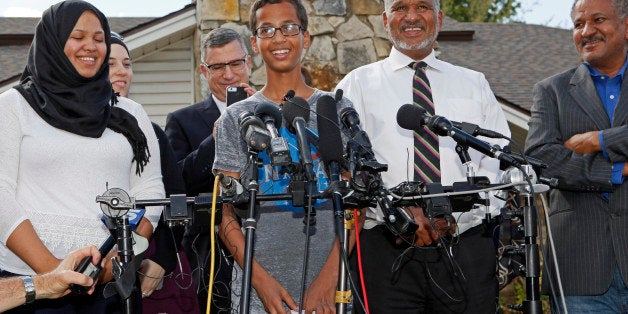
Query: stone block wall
345	35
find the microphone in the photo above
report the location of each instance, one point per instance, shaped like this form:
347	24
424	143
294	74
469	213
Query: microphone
409	114
253	131
407	118
556	183
296	111
86	267
338	96
229	185
523	159
289	95
475	130
351	121
396	219
330	143
330	147
271	116
411	117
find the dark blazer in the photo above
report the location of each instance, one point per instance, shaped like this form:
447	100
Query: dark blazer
590	231
166	255
190	131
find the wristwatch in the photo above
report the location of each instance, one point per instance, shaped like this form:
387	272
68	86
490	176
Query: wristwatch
29	287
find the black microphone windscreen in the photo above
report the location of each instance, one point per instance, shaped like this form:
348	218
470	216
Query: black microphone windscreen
330	140
295	107
410	117
268	109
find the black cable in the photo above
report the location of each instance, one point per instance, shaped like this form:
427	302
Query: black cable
306	251
345	260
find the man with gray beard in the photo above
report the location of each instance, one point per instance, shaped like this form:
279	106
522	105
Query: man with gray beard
438	270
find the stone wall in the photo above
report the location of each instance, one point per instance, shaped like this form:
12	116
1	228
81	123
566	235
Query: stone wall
345	35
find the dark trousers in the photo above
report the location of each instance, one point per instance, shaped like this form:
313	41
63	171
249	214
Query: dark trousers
403	280
197	246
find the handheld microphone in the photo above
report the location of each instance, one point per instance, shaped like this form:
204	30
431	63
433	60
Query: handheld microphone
86	267
271	116
407	118
253	131
296	111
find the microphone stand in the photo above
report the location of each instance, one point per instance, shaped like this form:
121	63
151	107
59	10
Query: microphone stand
342	218
249	225
125	252
123	271
532	303
115	204
463	154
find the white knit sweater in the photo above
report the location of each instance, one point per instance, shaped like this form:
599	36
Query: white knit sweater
52	178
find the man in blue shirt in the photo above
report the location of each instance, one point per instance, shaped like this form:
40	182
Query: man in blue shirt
579	126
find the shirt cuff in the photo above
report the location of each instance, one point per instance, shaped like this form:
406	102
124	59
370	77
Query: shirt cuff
601	139
616	173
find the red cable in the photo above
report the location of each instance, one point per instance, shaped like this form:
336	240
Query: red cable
359	252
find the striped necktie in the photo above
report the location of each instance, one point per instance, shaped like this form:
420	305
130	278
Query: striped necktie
426	155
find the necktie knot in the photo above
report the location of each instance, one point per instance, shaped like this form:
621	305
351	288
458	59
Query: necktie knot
415	65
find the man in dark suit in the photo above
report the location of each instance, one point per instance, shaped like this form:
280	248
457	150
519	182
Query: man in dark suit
579	126
224	62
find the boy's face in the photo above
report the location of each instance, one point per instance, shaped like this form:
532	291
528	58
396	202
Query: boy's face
280	53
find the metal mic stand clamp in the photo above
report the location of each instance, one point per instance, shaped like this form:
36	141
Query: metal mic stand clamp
115	203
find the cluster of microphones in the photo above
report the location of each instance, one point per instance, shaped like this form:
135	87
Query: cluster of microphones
260	131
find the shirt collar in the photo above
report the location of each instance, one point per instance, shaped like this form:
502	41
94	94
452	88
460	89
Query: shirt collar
222	106
398	60
595	73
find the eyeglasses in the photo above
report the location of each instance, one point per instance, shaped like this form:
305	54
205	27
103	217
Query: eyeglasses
286	30
219	68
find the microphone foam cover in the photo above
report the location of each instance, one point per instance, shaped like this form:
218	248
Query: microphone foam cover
271	110
330	140
410	117
295	107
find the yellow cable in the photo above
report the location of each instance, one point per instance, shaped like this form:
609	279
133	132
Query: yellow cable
212	240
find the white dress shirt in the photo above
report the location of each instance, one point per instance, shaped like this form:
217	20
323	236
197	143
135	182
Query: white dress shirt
379	89
222	106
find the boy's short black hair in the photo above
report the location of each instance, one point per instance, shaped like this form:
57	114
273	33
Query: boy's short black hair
301	13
